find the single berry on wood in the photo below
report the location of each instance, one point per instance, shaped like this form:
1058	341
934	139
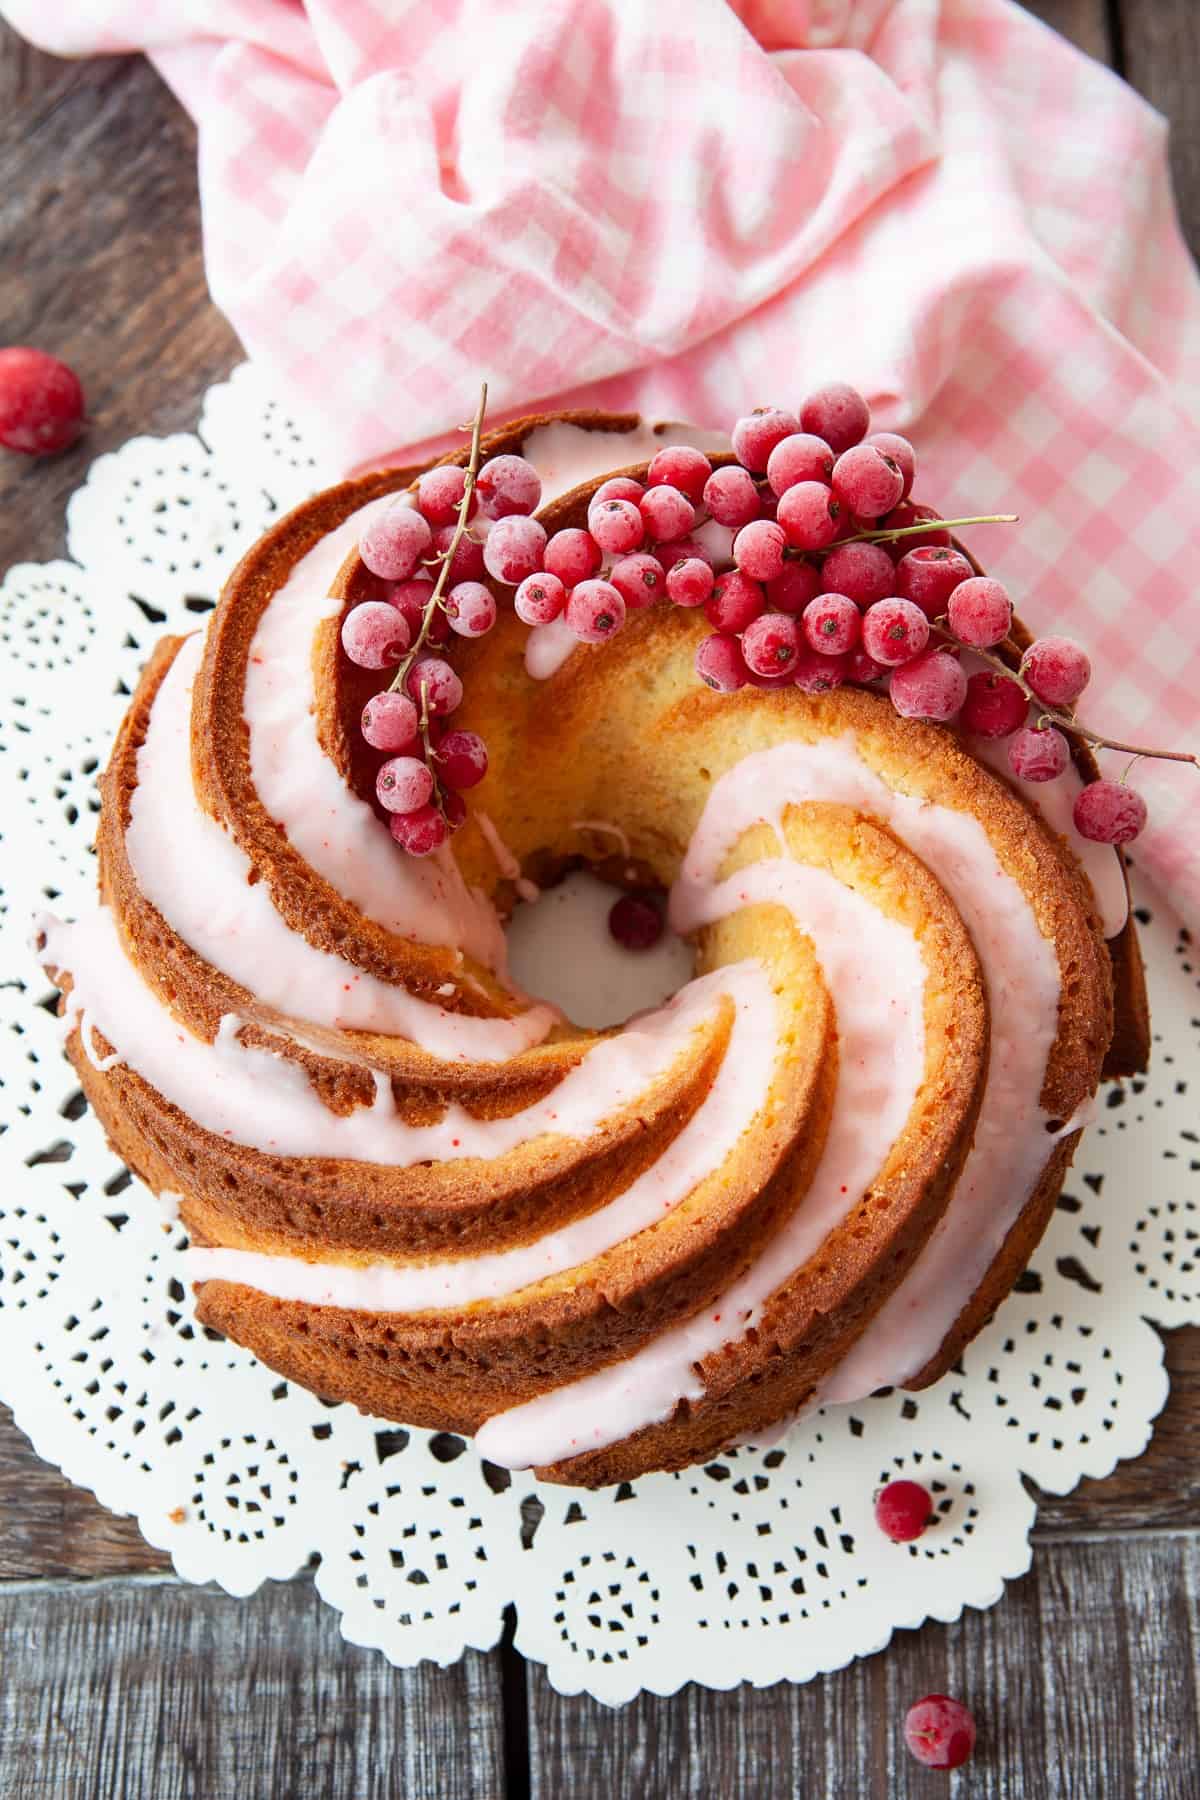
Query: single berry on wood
508	486
680	466
595	611
394	543
867	482
616	526
731	496
41	402
1057	669
901	453
894	631
539	599
980	612
817	674
810	514
403	784
720	663
640	580
931	686
1108	812
994	707
470	608
735	602
375	635
771	644
801	457
666	514
432	679
440	491
573	554
792	591
389	722
467	562
1038	753
462	759
903	1510
514	548
939	1731
863	571
421	832
839	414
756	435
832	624
635	922
928	577
758	550
690	582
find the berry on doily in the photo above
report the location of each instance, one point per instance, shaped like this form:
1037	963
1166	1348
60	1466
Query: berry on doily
573	554
1038	753
375	635
931	686
635	922
832	624
994	706
508	487
680	466
867	482
731	496
903	1510
404	784
800	457
421	832
540	598
471	609
514	548
980	612
666	514
939	1731
1108	812
734	602
839	414
720	663
394	543
758	549
756	435
595	611
389	722
462	759
640	580
41	402
894	631
1057	669
771	644
690	582
810	514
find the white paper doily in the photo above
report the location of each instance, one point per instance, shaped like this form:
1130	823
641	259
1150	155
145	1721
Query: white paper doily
764	1565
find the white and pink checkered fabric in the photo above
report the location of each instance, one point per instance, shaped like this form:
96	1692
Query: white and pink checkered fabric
694	206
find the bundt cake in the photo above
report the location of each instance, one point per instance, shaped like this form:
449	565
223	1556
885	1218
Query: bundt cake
813	1172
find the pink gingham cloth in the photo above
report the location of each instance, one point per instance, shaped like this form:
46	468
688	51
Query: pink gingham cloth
695	206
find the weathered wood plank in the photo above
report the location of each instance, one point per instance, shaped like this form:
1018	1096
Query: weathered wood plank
1085	22
52	1528
1083	1681
1159	53
125	1688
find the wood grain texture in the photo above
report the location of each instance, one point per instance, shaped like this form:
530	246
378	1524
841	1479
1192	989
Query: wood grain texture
1158	50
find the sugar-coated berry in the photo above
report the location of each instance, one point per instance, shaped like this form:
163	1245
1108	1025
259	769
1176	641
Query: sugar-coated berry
682	467
440	491
931	686
994	707
403	784
720	663
771	644
635	922
735	602
508	486
928	577
863	668
539	599
894	631
616	526
462	759
758	549
595	611
792	591
467	562
690	582
939	1731
421	832
394	543
618	487
666	514
839	414
817	674
832	624
800	457
731	496
640	580
679	549
865	572
514	548
810	514
867	482
980	612
41	402
573	554
471	609
908	513
903	1510
756	435
433	679
410	598
1107	812
1057	669
375	635
389	722
901	453
1038	753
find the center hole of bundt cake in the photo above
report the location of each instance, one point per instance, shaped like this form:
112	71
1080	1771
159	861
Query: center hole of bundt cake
561	948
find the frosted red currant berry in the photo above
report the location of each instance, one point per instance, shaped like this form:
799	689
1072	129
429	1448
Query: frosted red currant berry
1057	669
903	1509
375	635
867	482
680	466
462	759
514	548
508	486
635	922
595	611
1038	753
735	602
865	572
394	543
432	679
909	513
454	809
690	582
932	686
758	550
771	644
539	599
440	492
817	674
928	577
839	414
731	496
640	580
901	453
720	663
994	707
939	1731
894	631
666	514
467	562
1107	812
618	487
616	526
403	784
573	555
863	668
801	457
389	722
471	609
756	435
980	612
421	832
810	514
832	624
679	549
41	402
410	598
792	591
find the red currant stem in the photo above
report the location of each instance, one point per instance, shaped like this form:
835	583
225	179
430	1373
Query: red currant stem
899	531
447	557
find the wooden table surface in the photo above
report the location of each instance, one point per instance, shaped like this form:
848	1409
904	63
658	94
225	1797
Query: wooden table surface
117	1679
